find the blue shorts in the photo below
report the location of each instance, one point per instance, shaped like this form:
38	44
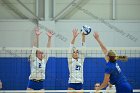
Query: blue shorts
76	86
35	85
124	88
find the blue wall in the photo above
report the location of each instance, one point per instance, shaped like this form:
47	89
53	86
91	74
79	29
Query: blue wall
14	72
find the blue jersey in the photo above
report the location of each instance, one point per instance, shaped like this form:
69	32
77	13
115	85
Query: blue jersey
116	75
117	78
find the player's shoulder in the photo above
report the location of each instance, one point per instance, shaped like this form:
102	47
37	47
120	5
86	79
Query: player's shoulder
32	58
108	65
45	59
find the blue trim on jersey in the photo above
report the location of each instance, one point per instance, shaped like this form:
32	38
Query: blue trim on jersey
35	85
76	86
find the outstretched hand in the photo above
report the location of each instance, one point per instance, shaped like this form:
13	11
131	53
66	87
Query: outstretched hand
50	33
75	32
37	32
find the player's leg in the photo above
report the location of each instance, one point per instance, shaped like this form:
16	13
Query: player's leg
70	89
75	86
40	86
30	89
80	92
35	85
30	86
71	86
79	87
42	92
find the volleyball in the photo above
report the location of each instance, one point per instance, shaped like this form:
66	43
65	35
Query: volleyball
86	29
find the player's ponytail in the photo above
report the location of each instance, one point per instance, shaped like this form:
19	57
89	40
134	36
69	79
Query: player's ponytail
113	57
122	58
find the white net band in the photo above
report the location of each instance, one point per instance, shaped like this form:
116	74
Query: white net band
63	52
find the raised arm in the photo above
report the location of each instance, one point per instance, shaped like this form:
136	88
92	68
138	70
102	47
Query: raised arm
83	51
83	39
35	44
49	34
36	39
75	34
104	49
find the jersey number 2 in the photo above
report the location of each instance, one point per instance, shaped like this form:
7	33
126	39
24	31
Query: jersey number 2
39	65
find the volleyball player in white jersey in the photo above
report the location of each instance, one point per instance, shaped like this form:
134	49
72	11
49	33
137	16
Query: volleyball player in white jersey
75	63
38	64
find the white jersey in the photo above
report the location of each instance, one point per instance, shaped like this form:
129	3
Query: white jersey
76	71
37	67
75	68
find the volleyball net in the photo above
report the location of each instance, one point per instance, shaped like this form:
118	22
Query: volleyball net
15	68
63	52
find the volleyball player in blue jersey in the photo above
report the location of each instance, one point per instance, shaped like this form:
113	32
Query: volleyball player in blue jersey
113	73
